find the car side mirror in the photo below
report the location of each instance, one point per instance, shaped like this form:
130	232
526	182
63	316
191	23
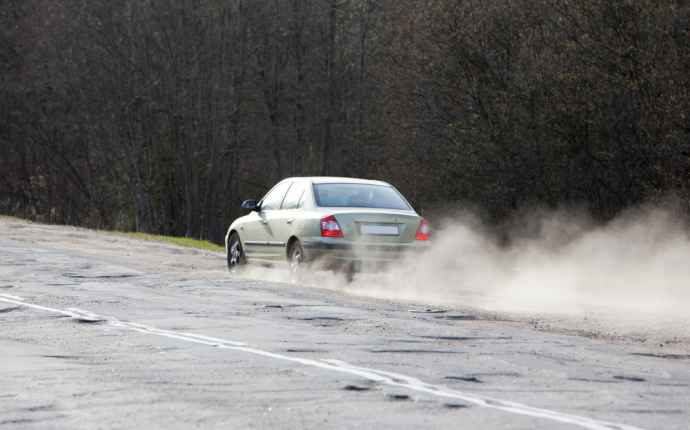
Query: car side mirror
251	205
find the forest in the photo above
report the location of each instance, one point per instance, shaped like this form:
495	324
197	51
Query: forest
161	116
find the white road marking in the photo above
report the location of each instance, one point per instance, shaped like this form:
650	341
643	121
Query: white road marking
380	376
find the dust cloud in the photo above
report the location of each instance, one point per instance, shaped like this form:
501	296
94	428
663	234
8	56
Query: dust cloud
630	275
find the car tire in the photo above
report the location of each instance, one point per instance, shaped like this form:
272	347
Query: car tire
235	253
296	262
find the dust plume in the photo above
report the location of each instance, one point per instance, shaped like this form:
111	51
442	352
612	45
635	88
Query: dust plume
630	275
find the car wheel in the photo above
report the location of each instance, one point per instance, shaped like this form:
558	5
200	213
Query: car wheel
236	256
296	262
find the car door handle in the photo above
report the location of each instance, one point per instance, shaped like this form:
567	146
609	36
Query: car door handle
290	221
263	221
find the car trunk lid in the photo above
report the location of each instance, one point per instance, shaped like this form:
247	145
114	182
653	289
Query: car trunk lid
376	225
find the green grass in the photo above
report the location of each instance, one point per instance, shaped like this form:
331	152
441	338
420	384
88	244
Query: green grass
12	218
181	241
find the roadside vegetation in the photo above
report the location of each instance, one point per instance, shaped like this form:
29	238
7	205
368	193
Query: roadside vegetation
10	218
161	116
175	240
180	241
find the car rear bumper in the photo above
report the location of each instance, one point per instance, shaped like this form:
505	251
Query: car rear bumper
335	253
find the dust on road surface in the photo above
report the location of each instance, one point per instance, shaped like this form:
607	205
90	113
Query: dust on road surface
100	330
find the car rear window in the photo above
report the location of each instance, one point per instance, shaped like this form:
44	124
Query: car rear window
358	196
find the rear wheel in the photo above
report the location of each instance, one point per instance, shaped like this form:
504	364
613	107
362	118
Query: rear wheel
236	257
296	261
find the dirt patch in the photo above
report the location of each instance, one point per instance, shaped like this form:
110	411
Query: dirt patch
664	356
472	379
629	378
352	387
415	351
398	397
466	338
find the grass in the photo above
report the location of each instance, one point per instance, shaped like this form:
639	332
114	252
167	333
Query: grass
12	218
181	241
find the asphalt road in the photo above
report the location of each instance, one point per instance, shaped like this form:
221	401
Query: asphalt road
102	331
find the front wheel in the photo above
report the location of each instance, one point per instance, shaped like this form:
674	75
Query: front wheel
296	262
236	256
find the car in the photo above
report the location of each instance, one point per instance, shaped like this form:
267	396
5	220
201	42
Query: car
341	224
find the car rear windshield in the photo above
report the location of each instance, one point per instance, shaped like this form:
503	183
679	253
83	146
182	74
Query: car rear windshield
358	196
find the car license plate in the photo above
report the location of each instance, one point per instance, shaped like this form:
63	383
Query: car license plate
379	230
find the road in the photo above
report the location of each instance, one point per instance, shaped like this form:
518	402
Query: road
103	331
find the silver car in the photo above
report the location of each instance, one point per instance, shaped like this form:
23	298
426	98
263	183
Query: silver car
341	224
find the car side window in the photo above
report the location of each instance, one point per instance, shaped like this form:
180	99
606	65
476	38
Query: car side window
293	196
274	198
300	204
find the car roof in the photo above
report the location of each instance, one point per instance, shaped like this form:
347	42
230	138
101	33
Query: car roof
339	180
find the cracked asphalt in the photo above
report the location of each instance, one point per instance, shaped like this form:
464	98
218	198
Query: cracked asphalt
99	330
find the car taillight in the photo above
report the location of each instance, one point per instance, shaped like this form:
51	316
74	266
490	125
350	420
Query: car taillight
424	230
330	227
